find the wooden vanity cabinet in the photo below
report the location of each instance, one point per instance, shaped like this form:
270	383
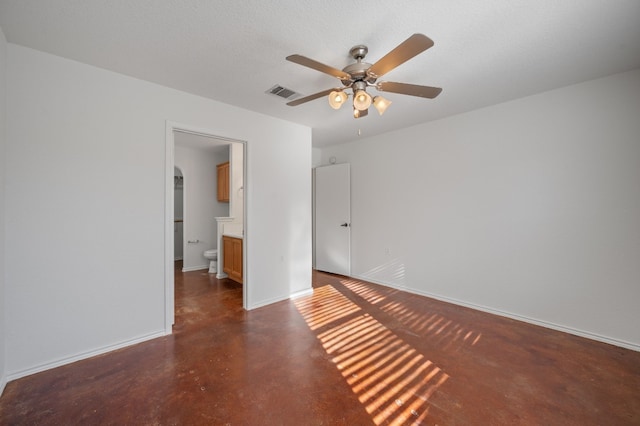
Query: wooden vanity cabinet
232	257
223	182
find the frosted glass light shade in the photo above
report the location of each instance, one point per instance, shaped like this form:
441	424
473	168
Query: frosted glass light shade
361	100
381	104
337	98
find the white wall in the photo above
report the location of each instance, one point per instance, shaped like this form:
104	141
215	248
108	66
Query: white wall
529	208
236	182
71	291
3	126
201	205
316	157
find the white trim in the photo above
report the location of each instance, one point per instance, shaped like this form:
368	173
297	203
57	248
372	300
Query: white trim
545	324
3	384
267	302
68	360
301	293
195	268
169	282
169	314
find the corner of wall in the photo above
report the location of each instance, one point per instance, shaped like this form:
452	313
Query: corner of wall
316	157
3	137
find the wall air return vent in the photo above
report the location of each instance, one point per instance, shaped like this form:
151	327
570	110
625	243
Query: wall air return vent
282	92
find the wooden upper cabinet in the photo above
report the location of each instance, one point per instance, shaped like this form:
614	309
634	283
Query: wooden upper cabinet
223	182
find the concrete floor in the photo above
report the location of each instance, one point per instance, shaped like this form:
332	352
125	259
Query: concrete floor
354	353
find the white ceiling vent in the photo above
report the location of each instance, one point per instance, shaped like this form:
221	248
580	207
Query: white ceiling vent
282	92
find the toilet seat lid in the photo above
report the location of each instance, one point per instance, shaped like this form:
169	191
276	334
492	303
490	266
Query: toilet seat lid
211	252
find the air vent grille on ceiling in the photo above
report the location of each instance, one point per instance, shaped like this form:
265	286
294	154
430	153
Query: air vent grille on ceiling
282	92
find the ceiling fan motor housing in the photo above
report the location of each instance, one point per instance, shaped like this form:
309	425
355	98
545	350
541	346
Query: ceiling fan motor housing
358	70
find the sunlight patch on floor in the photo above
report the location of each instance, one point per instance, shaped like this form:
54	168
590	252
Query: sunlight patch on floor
444	332
390	378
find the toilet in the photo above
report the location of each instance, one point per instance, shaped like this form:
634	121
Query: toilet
212	255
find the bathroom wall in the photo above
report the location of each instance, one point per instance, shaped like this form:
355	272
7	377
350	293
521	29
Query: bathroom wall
3	139
178	215
201	205
530	208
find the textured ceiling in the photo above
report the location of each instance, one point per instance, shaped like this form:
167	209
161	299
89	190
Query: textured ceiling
485	52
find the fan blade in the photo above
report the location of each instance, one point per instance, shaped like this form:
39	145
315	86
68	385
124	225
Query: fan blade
310	97
303	60
409	89
406	50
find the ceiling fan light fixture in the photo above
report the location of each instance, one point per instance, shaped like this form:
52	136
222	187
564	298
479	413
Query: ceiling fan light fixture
361	100
359	113
359	75
337	98
381	104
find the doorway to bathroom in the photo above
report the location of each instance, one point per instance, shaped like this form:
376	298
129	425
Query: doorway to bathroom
191	159
197	157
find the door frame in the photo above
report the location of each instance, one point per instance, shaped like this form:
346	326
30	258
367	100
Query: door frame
169	279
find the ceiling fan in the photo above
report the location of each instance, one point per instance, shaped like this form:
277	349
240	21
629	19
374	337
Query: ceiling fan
360	75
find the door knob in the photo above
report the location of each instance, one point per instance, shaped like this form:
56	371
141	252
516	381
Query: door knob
345	224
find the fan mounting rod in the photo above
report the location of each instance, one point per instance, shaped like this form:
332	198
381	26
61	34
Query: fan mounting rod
359	52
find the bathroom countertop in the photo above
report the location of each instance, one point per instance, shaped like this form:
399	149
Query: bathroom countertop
231	234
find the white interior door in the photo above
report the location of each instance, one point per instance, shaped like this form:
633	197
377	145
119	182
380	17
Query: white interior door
333	219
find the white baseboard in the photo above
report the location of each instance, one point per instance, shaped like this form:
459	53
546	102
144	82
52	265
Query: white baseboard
195	268
565	329
295	295
3	383
68	360
267	302
302	293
